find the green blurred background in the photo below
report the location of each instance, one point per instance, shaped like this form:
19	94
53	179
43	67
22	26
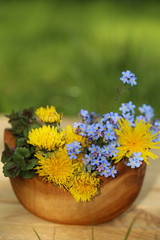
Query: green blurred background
70	54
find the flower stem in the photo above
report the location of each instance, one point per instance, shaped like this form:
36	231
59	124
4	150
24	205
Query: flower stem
120	92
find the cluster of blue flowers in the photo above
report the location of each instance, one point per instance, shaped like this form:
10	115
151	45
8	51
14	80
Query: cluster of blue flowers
135	160
128	78
156	129
147	115
97	158
103	143
128	112
99	130
147	111
73	149
101	137
87	117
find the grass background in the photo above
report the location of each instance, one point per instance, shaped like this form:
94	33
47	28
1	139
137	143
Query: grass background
71	53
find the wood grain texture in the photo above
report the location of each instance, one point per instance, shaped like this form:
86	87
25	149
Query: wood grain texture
9	138
54	204
17	223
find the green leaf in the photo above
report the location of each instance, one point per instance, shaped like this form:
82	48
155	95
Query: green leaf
48	155
59	129
7	154
28	174
36	234
19	160
32	149
23	121
11	169
25	133
28	113
84	168
21	142
130	228
33	126
54	154
29	164
90	170
23	152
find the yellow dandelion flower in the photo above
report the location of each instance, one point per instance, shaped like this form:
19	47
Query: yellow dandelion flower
71	136
46	138
137	139
57	169
48	115
84	187
78	162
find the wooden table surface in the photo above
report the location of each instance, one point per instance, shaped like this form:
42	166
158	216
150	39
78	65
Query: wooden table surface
16	223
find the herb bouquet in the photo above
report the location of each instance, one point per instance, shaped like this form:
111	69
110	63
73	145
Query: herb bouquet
94	169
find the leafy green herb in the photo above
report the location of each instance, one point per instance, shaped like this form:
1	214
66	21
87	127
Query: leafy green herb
28	174
7	154
11	169
20	160
22	122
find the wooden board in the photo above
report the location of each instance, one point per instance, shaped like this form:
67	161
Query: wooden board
16	223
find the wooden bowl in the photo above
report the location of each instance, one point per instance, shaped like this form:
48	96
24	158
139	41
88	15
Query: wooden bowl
51	203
